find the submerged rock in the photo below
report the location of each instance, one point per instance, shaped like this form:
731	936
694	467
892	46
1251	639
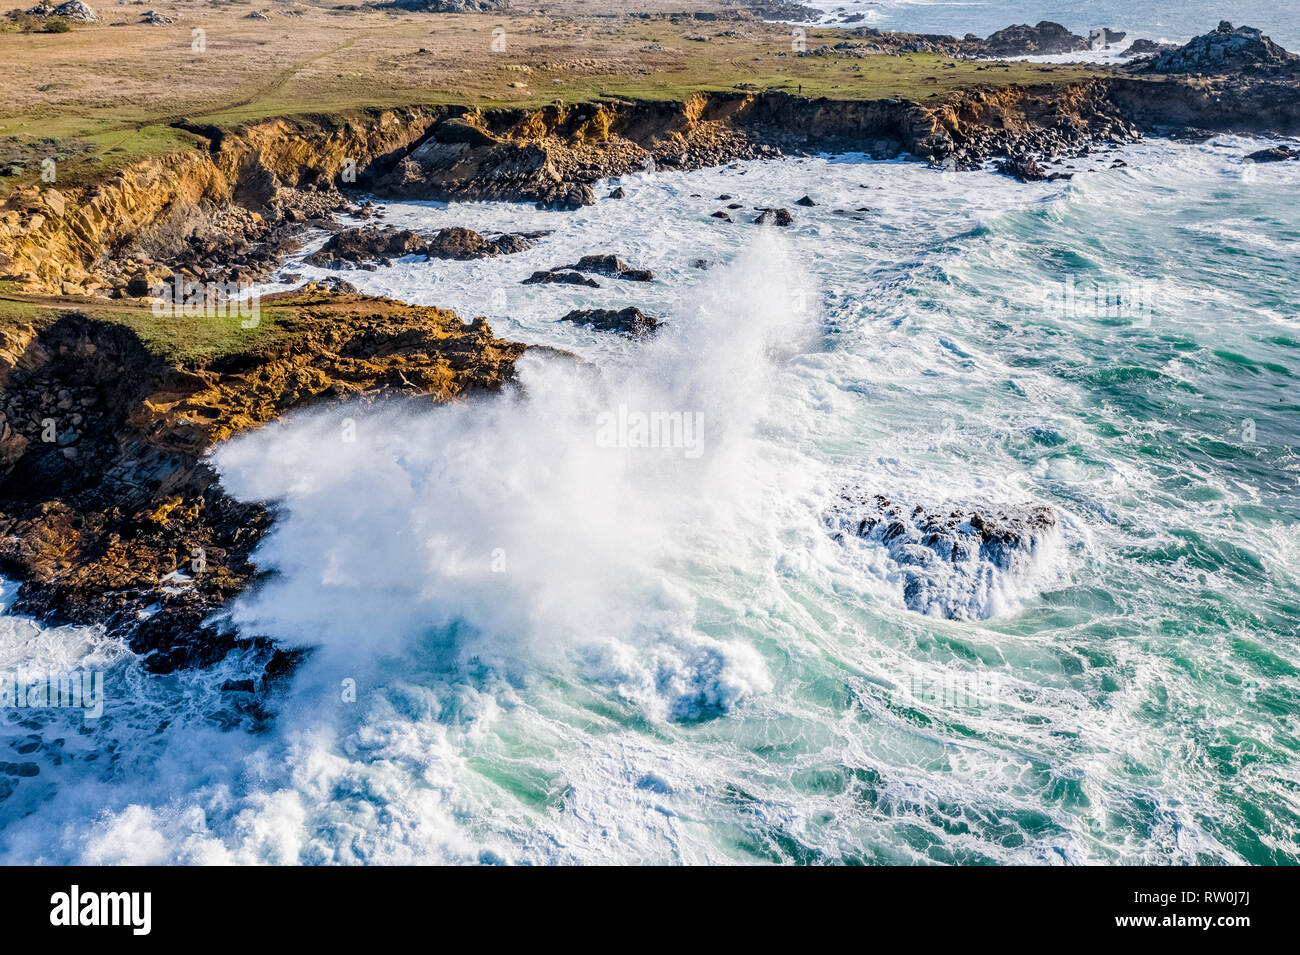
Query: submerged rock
629	321
957	562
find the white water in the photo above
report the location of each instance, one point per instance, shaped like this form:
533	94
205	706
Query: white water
1166	21
568	652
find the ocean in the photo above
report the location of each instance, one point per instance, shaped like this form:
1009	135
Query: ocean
535	642
1172	21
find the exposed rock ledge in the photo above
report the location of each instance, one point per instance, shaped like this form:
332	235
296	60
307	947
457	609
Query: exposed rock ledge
93	521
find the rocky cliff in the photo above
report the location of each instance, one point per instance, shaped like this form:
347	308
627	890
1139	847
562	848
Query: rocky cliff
109	512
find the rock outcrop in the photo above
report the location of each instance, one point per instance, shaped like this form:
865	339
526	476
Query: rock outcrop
237	203
953	562
607	264
448	6
109	512
360	247
1226	50
628	321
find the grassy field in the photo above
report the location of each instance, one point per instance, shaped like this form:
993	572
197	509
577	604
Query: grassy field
104	94
178	339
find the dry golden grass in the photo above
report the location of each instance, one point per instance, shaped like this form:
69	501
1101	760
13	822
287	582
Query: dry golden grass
118	84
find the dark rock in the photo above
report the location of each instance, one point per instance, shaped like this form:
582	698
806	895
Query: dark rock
722	215
355	246
608	264
459	243
1044	38
557	277
779	217
805	201
629	321
1023	169
1143	47
1274	154
951	561
138	285
618	193
332	285
1104	38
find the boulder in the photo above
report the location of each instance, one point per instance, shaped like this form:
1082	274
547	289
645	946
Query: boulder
1045	37
557	277
352	247
779	217
1274	154
608	264
76	10
628	321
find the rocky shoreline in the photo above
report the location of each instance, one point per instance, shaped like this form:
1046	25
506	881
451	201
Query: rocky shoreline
120	520
232	212
100	518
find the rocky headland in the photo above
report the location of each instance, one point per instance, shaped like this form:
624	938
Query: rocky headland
102	513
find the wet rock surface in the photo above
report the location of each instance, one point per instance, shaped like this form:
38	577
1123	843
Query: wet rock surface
780	217
1274	154
958	562
560	277
607	264
628	321
382	244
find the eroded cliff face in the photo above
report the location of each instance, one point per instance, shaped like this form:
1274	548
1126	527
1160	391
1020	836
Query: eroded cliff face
64	240
278	172
104	487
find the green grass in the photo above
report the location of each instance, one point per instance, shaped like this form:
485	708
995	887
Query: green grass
178	339
85	155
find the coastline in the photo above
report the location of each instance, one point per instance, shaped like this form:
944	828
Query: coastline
93	533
